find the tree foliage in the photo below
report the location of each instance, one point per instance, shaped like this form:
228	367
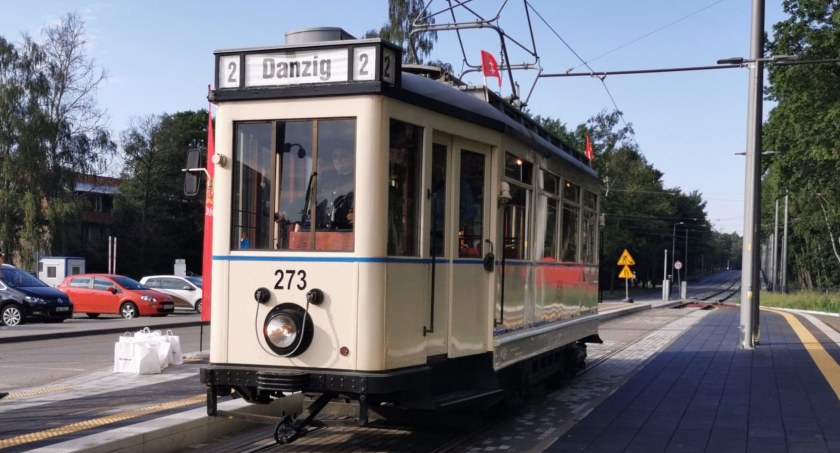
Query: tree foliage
804	129
150	211
417	47
50	131
639	213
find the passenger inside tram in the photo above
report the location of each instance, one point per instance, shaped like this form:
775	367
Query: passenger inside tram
334	202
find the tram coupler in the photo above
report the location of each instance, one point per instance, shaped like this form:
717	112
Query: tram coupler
290	428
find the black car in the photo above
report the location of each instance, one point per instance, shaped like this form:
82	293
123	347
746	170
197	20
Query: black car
22	297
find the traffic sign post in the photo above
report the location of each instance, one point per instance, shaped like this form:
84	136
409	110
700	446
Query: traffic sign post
677	266
626	260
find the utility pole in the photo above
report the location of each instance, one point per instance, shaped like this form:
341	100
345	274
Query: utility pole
783	276
750	284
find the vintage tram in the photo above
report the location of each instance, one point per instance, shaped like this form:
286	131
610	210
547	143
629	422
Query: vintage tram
388	234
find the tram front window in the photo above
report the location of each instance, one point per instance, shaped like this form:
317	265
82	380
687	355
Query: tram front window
280	200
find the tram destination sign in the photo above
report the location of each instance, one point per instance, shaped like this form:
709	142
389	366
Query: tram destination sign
361	61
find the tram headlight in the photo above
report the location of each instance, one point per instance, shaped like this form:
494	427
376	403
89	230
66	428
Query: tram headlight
281	331
288	330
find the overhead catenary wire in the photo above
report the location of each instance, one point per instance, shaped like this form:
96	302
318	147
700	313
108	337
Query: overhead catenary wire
592	71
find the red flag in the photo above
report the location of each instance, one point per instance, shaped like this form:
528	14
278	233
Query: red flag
589	153
207	256
490	67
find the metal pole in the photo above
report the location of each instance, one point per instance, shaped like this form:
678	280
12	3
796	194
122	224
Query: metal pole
783	276
752	191
685	257
666	289
674	246
773	262
674	252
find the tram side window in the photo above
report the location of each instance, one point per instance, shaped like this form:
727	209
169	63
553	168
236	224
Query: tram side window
547	215
252	186
517	220
516	223
589	232
438	220
571	217
404	165
470	204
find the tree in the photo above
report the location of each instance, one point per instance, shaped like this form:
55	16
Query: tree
804	128
403	14
151	211
50	132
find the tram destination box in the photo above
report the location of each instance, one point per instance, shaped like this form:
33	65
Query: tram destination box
311	68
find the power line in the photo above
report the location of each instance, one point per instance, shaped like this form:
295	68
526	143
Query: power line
603	74
592	71
650	33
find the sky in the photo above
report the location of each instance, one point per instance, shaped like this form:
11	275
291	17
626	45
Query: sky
688	125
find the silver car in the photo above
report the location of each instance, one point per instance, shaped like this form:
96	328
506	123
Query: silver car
185	291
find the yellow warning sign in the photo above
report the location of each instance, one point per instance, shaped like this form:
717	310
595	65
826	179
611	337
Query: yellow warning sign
626	273
626	259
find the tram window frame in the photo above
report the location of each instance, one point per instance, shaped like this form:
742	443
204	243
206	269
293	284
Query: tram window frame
589	229
405	158
548	216
570	223
472	169
280	218
517	223
518	169
252	188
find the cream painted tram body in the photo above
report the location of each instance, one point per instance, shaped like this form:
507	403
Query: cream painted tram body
457	260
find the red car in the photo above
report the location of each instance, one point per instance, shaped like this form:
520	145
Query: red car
97	294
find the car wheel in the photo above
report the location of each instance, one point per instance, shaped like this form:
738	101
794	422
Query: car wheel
92	315
128	310
11	315
198	306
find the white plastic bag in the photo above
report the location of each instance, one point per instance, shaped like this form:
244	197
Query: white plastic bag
123	356
146	360
174	348
158	343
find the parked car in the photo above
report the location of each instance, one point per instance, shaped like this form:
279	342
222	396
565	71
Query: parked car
24	297
96	294
185	291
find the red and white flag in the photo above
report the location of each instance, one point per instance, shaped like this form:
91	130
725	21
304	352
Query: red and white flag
490	67
589	154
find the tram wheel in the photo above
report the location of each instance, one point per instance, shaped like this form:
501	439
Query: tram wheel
287	431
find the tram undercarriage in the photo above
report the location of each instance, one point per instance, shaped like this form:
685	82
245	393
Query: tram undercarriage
442	385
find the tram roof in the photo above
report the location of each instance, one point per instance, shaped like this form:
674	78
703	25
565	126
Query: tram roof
496	114
435	90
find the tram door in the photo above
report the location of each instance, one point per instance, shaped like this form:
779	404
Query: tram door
459	229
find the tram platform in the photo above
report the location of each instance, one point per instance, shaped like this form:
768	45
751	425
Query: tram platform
706	393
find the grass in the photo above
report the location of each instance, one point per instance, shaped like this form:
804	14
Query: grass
805	300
